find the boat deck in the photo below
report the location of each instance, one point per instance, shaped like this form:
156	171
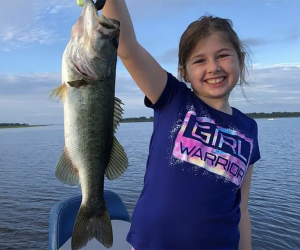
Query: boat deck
120	230
63	216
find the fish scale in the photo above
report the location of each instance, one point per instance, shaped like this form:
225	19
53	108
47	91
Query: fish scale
92	126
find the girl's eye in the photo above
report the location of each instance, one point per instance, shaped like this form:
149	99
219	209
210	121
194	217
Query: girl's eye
200	61
222	56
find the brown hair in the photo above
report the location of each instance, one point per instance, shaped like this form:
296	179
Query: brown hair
201	29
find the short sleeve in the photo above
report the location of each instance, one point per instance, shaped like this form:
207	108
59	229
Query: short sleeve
256	152
172	88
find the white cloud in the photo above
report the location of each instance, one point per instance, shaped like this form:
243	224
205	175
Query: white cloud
288	98
24	97
26	22
285	66
38	20
56	9
13	37
28	83
275	88
271	3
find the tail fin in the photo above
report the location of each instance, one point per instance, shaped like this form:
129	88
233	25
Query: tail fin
88	226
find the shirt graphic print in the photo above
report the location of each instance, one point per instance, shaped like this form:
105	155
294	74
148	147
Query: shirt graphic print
222	151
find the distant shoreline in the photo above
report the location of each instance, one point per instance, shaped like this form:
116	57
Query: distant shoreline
274	115
16	125
252	115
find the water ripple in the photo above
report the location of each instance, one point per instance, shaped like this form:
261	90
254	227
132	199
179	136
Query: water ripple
29	188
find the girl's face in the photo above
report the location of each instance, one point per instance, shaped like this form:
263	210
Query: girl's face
213	68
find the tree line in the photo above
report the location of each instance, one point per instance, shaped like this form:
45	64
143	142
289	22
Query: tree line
13	124
252	115
274	115
150	119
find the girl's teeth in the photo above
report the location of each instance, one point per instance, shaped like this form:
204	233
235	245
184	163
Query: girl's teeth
214	81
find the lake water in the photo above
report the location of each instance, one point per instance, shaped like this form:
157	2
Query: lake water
29	189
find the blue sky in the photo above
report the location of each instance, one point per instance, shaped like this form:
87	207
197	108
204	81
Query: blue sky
34	34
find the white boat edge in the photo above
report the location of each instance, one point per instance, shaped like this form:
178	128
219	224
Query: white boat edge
120	231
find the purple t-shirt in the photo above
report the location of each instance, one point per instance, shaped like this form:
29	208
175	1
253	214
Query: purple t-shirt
198	158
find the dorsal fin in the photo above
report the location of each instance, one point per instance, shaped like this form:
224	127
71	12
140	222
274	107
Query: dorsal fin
118	162
118	111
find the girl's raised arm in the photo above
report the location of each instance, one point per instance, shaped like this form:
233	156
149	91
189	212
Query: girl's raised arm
143	68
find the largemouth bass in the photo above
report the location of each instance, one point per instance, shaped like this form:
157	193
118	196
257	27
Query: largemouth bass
91	116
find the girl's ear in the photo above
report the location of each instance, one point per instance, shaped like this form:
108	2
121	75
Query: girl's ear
182	75
181	72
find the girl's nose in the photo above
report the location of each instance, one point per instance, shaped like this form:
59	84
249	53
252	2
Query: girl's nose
213	66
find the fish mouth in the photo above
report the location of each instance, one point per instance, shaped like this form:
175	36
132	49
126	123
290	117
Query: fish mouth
89	7
90	13
92	35
105	27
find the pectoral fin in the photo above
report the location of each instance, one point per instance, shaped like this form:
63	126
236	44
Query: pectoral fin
77	83
59	92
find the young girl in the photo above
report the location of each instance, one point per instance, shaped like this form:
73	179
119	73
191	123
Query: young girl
202	150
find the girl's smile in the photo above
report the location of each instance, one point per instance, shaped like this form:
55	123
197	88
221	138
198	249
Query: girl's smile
216	82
